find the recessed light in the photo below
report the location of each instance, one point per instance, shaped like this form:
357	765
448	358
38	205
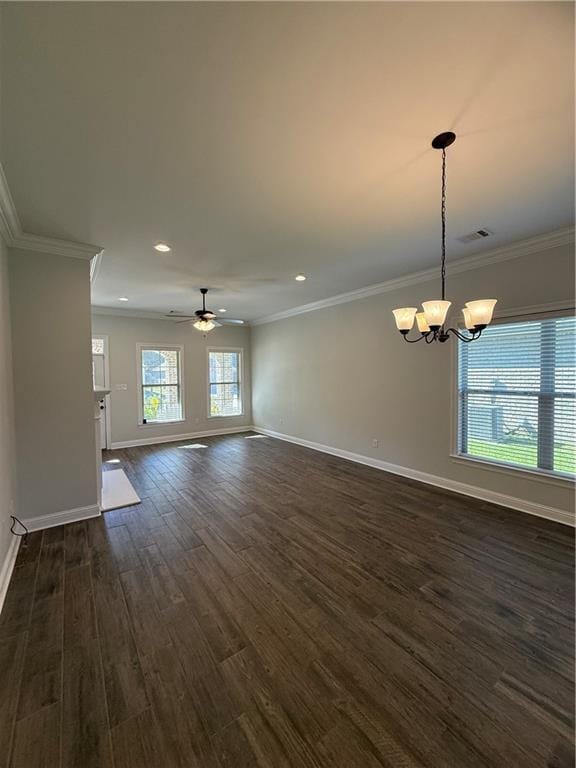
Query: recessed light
221	310
123	298
300	278
162	247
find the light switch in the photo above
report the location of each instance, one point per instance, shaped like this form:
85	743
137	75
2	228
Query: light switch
121	386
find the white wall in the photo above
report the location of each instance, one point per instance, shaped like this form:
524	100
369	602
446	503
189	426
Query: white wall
7	437
125	333
51	344
342	376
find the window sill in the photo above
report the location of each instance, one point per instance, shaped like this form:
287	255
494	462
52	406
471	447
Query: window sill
161	423
233	416
527	474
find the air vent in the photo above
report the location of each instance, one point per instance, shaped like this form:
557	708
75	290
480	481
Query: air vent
479	234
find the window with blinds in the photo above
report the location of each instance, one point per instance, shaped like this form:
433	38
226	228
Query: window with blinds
160	385
225	384
516	395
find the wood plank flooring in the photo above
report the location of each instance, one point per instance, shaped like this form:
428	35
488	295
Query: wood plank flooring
267	606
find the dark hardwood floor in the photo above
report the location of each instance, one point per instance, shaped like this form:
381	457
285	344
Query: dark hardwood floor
271	606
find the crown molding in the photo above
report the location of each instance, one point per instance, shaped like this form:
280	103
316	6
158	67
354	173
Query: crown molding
54	247
9	221
95	265
142	314
516	250
14	237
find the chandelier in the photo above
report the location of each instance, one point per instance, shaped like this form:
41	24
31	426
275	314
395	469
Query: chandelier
477	314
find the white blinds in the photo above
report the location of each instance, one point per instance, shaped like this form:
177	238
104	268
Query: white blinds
516	392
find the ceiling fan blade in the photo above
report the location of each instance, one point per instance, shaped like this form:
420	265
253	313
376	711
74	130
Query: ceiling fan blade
189	320
230	321
178	316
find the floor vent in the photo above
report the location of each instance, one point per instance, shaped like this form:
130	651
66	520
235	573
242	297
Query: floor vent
479	234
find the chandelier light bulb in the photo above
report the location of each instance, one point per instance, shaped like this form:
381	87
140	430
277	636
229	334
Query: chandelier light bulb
204	325
423	326
435	312
405	317
481	311
468	322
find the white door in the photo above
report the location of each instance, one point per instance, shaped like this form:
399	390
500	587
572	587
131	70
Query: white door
100	379
98	371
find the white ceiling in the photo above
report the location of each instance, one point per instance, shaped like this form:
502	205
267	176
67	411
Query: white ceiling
264	139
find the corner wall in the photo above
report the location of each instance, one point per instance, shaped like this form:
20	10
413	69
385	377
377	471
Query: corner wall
124	333
8	542
55	446
342	377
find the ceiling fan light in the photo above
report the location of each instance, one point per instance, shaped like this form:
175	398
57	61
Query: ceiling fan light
423	326
481	310
405	317
204	325
468	322
435	312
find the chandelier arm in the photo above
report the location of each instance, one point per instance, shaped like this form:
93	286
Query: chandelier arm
474	335
413	341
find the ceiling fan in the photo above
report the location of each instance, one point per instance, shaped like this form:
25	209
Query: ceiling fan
205	319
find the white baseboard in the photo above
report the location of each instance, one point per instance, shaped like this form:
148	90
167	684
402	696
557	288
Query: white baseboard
501	499
177	438
7	568
62	518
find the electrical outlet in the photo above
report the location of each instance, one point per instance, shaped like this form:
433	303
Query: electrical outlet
375	443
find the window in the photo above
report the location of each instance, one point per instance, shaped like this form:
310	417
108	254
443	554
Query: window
97	345
160	384
516	393
224	382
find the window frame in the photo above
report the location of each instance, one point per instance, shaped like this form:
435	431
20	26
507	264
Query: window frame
519	315
240	351
158	346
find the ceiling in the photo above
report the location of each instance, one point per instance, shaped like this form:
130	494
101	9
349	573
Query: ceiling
264	139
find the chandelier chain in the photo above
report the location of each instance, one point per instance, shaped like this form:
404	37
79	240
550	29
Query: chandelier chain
443	214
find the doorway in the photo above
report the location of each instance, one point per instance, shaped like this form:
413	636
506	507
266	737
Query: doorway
101	378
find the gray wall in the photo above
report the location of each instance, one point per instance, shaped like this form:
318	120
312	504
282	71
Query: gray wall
52	383
125	333
7	437
342	376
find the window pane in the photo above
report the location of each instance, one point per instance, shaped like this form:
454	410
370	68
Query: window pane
506	357
161	403
159	366
225	400
565	435
224	366
503	428
565	380
97	346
